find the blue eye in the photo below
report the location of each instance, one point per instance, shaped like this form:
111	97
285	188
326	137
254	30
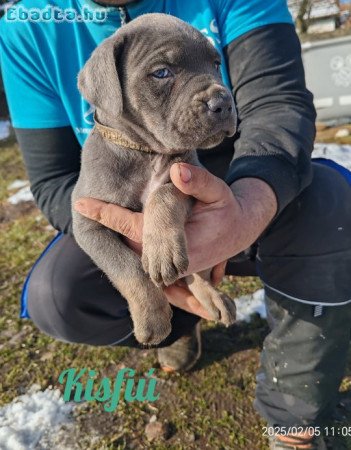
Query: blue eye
162	73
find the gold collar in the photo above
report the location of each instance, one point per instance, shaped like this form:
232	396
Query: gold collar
116	137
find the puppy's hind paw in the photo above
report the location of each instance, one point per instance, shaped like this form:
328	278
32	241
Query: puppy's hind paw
228	310
154	329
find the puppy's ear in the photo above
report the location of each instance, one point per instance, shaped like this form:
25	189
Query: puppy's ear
99	82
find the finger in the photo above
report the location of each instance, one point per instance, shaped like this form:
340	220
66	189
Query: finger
198	182
218	273
135	246
119	219
183	299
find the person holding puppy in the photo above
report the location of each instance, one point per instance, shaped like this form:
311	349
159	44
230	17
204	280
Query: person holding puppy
261	198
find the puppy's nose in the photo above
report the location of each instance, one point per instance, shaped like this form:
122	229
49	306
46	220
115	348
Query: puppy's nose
221	104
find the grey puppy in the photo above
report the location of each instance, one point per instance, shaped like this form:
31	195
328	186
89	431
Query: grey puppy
159	96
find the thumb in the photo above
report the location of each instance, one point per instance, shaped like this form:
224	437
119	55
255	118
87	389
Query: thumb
198	182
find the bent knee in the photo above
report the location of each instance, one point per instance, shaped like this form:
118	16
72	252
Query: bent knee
65	310
42	307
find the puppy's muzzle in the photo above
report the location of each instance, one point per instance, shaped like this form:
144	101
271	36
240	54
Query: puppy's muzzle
220	109
220	105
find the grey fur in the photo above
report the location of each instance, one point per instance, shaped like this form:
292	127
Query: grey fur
174	117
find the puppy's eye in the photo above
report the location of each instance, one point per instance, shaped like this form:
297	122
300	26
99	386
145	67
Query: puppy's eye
217	65
162	73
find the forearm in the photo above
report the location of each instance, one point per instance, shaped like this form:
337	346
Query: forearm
276	113
258	204
54	200
52	159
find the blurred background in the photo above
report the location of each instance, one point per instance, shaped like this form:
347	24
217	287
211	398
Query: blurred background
325	31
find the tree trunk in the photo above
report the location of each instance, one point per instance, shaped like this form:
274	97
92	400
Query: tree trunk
302	22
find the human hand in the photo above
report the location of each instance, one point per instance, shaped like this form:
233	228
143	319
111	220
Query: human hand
224	221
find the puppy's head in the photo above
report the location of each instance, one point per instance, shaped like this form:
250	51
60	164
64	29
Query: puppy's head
161	77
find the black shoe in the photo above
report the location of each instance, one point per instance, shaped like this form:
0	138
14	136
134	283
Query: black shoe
183	354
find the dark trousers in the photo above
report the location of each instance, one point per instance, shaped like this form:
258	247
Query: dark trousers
304	259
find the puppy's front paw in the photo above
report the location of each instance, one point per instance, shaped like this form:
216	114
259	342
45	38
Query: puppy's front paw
164	258
154	326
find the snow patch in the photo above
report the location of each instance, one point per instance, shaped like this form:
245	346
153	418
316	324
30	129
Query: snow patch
4	129
341	154
342	133
247	305
23	195
30	417
18	184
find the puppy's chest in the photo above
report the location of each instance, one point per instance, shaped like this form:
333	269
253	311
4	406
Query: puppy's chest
158	175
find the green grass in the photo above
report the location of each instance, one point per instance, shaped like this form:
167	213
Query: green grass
211	407
11	167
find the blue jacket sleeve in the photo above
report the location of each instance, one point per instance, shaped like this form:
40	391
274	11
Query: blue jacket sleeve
237	17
